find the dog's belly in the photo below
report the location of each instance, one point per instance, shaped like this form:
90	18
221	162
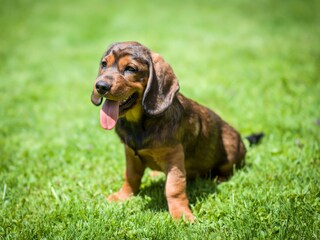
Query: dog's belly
196	168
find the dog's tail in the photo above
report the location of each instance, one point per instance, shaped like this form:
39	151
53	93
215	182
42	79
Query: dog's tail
255	138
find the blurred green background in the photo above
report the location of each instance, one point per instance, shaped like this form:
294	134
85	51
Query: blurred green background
256	63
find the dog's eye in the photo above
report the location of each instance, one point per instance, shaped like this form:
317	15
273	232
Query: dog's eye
103	64
130	69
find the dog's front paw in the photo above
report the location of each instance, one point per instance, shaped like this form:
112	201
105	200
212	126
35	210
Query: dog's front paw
118	196
181	212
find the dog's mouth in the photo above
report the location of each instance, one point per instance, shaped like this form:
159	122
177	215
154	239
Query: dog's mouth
111	110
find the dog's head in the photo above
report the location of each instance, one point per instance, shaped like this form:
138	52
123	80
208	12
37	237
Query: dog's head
133	81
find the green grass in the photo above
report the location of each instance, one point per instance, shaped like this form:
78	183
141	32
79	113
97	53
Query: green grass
256	63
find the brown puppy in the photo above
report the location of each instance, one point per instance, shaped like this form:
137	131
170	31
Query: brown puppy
160	128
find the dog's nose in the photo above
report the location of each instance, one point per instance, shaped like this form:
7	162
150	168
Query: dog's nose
102	87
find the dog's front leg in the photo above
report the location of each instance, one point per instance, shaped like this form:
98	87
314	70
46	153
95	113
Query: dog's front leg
132	177
176	183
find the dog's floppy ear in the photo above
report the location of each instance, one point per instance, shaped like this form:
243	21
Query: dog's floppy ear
96	100
161	87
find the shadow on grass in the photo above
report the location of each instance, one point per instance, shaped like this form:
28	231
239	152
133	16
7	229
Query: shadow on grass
196	190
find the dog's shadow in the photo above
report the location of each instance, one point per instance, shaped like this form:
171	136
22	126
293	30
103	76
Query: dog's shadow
153	191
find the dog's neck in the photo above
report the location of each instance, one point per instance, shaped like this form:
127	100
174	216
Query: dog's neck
134	114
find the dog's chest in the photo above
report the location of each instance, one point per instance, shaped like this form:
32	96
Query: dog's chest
133	135
151	133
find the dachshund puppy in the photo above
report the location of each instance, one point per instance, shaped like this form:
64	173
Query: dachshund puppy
159	127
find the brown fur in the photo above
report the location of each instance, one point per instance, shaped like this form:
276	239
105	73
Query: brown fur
164	130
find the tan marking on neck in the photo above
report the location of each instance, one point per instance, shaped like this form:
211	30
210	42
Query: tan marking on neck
134	114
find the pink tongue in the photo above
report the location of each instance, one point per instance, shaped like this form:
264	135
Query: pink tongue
109	114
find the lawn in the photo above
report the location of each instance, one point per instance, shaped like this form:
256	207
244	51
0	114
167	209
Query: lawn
256	63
